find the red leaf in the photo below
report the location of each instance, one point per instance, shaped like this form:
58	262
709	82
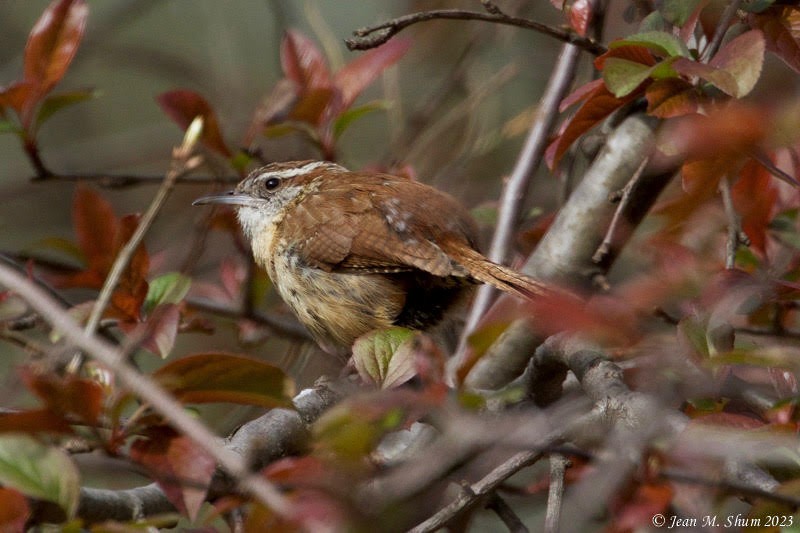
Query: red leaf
96	228
776	25
131	291
597	107
183	106
162	328
14	510
219	377
637	54
671	97
303	63
647	502
34	421
580	94
53	42
18	96
354	77
180	467
754	196
68	395
580	15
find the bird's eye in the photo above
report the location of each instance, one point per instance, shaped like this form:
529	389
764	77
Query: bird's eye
272	184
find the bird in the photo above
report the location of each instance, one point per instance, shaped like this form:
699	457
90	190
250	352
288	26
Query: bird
354	251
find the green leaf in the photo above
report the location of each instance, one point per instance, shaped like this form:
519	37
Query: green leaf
622	76
168	288
344	120
755	6
39	471
386	357
56	102
652	22
677	12
662	43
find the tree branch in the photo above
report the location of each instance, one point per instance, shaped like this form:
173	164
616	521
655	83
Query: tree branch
374	36
159	400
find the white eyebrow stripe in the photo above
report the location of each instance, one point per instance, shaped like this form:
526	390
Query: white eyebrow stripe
291	172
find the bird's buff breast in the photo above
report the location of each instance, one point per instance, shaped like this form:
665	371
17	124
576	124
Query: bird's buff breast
335	307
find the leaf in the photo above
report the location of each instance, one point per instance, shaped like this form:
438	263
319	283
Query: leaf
53	42
775	24
343	121
219	377
677	12
622	77
183	106
580	15
303	63
68	395
597	107
671	97
17	96
162	328
96	228
56	102
39	471
128	297
742	58
754	197
14	510
181	468
169	288
357	75
660	42
34	421
386	357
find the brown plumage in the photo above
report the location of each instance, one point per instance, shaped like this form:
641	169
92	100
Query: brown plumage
355	251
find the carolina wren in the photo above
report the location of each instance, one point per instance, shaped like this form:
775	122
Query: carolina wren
350	252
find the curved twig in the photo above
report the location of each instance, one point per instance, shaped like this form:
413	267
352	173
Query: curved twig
374	36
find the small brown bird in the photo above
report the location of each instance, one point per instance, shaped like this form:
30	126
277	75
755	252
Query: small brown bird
351	252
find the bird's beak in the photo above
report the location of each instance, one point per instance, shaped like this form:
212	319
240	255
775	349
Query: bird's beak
230	198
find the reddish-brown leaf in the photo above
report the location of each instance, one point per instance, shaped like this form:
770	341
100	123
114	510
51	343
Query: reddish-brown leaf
728	420
597	107
219	377
34	421
183	106
96	228
671	97
53	41
313	105
637	54
17	96
181	468
580	15
354	77
14	510
303	63
754	196
131	291
67	395
730	130
645	503
776	24
580	94
162	328
307	471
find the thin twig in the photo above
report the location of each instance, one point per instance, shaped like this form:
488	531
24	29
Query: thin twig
735	233
506	514
374	36
478	490
720	30
555	496
183	163
613	228
160	401
287	325
121	181
519	181
747	489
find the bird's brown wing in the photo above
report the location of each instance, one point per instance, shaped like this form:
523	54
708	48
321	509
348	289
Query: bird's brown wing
374	224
